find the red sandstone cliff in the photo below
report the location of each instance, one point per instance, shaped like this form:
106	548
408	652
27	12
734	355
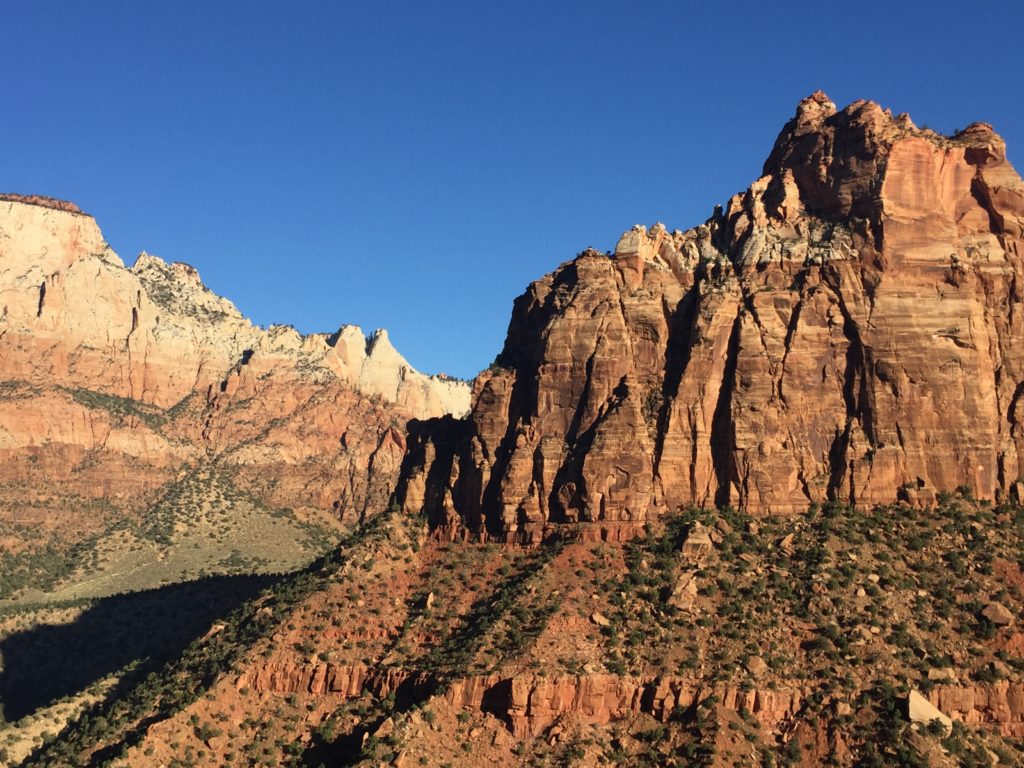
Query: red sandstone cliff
849	327
114	379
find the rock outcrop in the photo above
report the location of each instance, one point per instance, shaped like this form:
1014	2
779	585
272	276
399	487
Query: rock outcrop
114	378
529	704
999	704
73	313
849	327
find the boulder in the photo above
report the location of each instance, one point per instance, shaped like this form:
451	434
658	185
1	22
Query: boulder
920	710
998	614
684	593
942	675
698	543
756	666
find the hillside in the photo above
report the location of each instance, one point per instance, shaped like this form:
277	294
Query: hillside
713	639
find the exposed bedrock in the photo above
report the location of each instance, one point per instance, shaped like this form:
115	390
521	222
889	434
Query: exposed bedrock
848	328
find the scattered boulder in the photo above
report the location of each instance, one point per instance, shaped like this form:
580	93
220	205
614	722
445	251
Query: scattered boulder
920	710
998	614
684	593
943	675
756	666
698	543
600	619
786	544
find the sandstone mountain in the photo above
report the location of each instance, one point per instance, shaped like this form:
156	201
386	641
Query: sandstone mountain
154	333
850	327
766	470
120	384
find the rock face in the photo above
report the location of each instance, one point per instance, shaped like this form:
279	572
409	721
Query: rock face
113	379
1000	704
529	704
849	327
921	710
155	333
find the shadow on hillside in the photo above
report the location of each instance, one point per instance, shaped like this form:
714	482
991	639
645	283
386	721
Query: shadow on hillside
50	661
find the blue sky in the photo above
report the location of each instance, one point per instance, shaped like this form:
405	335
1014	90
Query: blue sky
415	165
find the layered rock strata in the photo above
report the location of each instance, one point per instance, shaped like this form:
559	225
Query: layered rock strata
114	378
529	704
849	327
154	333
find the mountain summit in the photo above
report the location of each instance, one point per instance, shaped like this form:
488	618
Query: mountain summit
850	327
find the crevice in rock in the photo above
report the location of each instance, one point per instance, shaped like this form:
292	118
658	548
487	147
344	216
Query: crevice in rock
791	327
981	193
678	349
837	463
748	304
723	428
577	418
855	399
571	470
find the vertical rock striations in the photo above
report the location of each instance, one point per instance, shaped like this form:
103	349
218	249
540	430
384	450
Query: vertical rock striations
114	379
848	327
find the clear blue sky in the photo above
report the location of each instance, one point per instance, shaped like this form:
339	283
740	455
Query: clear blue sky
415	165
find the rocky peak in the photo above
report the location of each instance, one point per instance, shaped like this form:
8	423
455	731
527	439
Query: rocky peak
799	346
814	109
984	147
839	159
177	287
379	343
386	372
155	332
40	236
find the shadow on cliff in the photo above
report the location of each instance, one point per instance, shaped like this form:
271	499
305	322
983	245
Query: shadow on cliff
50	661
